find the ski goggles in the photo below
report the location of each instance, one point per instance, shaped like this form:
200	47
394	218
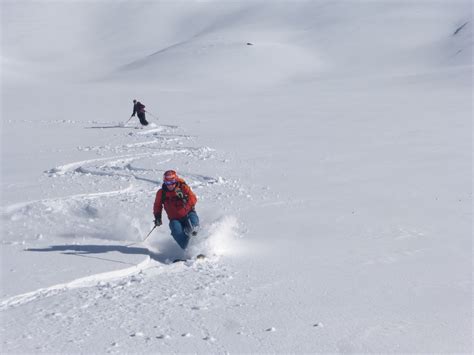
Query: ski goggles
170	182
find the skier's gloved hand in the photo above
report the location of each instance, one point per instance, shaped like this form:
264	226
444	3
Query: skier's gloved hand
158	221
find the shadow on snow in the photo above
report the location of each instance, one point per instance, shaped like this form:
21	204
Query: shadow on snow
102	127
89	249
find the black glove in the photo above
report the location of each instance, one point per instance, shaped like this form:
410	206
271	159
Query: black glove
158	221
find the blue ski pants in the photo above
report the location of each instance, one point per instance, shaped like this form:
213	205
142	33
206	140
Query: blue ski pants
182	228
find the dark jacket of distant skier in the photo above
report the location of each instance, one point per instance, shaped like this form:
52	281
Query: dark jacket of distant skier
179	201
139	109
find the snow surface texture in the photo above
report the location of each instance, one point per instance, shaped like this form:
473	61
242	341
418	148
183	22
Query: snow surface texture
329	144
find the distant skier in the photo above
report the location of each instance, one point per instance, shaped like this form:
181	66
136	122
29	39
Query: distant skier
178	200
139	109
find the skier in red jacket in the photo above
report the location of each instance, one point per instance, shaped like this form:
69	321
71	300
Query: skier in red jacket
179	202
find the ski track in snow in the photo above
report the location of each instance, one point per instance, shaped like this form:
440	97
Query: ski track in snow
111	161
186	292
50	201
105	279
112	167
120	166
87	281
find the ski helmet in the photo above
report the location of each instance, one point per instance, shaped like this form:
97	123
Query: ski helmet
170	177
134	100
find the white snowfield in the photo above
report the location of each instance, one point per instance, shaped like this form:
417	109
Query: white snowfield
329	144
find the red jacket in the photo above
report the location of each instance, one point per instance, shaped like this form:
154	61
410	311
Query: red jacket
176	207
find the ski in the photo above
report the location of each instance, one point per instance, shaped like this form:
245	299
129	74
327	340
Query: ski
198	257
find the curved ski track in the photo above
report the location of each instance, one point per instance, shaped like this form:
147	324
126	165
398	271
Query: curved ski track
82	282
107	167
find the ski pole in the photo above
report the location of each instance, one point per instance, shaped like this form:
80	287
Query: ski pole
128	120
134	243
149	233
152	115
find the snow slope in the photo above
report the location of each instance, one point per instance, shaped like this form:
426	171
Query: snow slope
332	159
